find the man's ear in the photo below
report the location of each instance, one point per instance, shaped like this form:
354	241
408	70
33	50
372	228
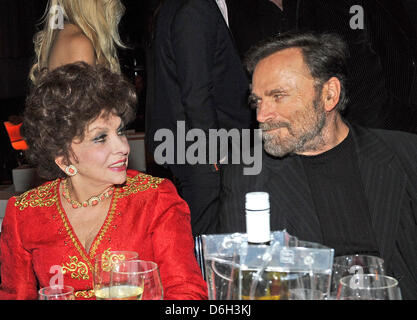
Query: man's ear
331	93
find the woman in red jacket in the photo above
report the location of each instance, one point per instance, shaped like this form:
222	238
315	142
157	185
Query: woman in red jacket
73	124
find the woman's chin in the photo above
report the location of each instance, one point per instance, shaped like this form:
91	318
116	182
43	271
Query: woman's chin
120	179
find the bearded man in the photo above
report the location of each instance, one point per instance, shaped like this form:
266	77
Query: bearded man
347	187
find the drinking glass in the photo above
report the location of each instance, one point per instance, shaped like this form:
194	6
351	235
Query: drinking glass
57	293
354	264
368	287
103	266
126	281
152	288
305	294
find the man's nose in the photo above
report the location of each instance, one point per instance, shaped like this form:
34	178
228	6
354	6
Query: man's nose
264	113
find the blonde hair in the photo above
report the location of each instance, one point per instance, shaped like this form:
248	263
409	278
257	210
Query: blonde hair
98	20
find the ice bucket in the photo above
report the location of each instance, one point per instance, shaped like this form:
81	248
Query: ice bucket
286	269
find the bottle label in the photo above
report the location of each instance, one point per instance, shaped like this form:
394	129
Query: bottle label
258	226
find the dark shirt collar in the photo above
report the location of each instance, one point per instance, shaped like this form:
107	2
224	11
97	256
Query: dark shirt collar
341	148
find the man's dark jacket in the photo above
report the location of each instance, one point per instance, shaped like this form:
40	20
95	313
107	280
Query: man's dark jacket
388	168
198	76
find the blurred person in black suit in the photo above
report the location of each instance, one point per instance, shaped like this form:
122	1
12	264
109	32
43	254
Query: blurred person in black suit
197	77
391	32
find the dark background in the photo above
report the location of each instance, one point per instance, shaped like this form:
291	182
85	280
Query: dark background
19	21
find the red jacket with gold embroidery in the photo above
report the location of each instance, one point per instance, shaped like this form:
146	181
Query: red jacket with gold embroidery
146	215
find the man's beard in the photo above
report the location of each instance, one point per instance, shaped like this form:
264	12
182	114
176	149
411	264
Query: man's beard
303	135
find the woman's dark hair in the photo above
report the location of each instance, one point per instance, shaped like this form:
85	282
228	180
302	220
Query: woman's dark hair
324	54
63	103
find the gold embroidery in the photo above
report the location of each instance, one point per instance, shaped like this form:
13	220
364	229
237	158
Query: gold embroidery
42	196
72	237
103	229
109	259
106	253
96	241
79	270
84	294
138	183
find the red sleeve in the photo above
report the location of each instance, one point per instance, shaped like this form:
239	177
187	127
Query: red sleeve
18	281
173	247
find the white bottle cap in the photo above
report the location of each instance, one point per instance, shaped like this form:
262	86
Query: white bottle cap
257	217
257	201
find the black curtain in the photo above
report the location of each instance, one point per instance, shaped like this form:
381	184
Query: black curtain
17	26
18	19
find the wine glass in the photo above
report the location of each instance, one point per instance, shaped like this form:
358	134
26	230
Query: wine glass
57	293
103	267
126	281
305	294
354	264
152	288
368	287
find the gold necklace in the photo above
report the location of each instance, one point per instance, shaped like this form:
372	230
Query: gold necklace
94	200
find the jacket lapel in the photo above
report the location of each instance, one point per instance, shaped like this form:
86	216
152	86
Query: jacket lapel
384	183
292	205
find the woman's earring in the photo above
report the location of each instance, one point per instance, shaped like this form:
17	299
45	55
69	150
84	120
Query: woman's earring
71	170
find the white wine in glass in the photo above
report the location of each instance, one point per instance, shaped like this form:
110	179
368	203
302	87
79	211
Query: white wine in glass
126	281
102	276
120	292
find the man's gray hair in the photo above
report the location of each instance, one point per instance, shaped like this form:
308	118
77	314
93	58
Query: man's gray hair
324	54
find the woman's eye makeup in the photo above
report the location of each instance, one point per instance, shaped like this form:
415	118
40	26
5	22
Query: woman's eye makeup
122	131
100	138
